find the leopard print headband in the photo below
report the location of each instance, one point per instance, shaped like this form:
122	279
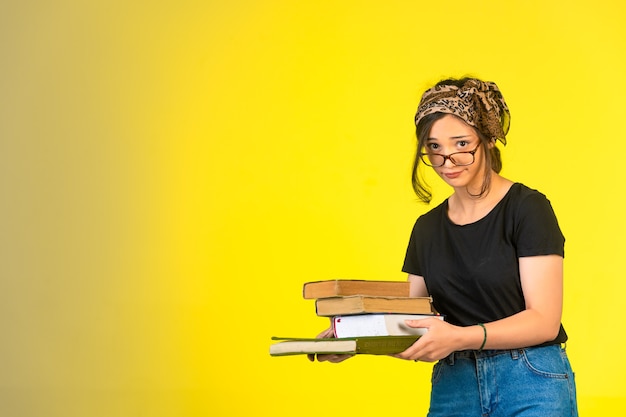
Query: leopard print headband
479	103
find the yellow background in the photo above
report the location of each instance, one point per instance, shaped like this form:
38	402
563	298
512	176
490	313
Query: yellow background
172	172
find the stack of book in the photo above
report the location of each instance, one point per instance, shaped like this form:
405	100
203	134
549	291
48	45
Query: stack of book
368	317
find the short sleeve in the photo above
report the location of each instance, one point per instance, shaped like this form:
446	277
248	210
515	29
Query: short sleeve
537	228
411	263
421	241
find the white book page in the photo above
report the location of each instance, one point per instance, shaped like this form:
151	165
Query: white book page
376	325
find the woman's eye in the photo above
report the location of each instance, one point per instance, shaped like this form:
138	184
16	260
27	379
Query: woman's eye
432	146
462	144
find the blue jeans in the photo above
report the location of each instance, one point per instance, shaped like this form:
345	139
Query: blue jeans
530	382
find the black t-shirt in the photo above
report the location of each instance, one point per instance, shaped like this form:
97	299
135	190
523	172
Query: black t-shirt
472	271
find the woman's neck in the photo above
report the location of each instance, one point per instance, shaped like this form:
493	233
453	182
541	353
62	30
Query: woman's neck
466	208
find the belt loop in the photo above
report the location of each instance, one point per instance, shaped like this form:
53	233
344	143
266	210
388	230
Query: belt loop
515	353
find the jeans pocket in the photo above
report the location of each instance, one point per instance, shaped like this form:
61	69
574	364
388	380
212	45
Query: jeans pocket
437	371
545	361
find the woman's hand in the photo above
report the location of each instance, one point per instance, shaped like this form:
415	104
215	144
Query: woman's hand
333	358
440	340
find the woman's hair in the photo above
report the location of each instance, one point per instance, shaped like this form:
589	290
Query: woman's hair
491	154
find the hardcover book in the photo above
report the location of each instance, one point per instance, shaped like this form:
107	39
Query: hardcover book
361	304
343	287
378	325
383	345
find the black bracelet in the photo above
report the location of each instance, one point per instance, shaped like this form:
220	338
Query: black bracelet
484	336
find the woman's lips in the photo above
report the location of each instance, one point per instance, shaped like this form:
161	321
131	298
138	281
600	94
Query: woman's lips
451	175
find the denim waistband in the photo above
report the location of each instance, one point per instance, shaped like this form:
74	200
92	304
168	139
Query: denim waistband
487	353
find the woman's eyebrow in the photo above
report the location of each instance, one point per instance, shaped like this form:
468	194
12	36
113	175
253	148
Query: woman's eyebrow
449	138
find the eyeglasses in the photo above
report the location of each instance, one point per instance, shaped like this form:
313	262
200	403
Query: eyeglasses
459	159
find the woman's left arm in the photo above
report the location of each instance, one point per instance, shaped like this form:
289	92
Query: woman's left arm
542	285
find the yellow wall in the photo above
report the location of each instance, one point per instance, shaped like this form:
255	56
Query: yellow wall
173	172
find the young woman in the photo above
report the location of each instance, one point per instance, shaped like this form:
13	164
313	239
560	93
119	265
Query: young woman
491	257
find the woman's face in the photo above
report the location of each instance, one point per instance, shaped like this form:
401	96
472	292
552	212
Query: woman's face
448	136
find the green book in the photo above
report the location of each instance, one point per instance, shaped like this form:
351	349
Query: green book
372	345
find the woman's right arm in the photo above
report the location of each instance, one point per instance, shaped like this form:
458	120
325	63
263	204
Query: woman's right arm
418	286
334	358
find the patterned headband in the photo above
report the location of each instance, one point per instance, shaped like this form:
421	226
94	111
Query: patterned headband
479	103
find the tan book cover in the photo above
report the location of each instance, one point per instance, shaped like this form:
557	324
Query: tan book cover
361	304
343	287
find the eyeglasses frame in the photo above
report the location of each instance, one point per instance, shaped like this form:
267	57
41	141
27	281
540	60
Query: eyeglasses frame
450	157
